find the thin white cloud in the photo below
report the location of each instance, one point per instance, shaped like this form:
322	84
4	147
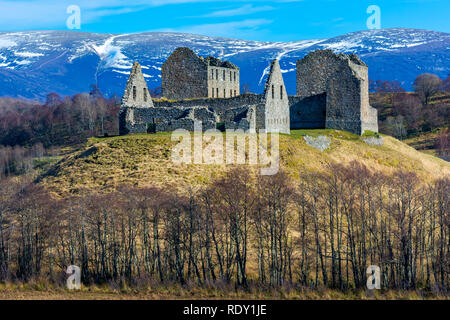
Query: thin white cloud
249	28
244	10
32	14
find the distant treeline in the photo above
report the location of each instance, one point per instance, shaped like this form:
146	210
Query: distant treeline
71	120
405	115
59	121
19	160
322	230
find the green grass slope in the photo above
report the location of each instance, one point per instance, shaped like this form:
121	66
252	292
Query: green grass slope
145	159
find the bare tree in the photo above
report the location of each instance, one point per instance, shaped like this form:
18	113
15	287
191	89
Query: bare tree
245	88
443	142
426	86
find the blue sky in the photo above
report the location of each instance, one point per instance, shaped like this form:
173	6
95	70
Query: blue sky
276	20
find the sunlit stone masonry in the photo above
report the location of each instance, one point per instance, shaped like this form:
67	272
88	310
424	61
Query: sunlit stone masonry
332	92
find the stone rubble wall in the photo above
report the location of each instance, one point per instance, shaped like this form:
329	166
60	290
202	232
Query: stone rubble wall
218	105
332	93
184	76
137	84
169	118
220	88
344	81
276	102
308	112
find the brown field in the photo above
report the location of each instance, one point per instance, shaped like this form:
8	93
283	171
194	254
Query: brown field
145	160
33	292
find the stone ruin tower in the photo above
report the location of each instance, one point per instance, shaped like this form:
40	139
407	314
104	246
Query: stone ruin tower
185	75
136	99
342	83
276	102
136	92
332	93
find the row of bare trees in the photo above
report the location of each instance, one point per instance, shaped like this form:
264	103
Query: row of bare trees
403	115
18	160
58	121
324	229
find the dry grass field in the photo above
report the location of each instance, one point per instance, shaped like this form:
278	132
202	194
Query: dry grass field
145	160
48	292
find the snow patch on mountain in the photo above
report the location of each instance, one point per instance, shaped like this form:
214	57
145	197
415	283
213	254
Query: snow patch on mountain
111	55
6	43
26	54
22	62
71	61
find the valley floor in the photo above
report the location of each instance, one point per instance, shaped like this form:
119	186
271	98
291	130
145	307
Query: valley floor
178	293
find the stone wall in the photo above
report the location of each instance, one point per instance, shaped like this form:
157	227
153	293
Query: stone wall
332	93
276	101
344	81
231	113
184	76
309	112
157	119
136	92
223	82
218	105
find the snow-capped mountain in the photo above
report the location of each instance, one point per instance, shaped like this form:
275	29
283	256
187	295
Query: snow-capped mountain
35	63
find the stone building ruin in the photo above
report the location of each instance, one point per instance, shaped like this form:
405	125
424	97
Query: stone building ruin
136	93
335	89
250	112
185	75
332	92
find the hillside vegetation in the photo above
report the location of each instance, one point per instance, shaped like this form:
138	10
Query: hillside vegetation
145	160
122	211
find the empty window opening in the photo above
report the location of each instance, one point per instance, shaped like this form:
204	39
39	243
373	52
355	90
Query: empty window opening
223	75
217	91
145	94
134	93
281	92
217	74
273	92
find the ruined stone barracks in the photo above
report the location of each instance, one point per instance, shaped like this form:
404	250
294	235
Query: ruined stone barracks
185	75
332	92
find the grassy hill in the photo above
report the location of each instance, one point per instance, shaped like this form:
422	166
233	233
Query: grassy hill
426	142
145	159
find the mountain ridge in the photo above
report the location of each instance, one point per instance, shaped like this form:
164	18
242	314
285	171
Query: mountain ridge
35	63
